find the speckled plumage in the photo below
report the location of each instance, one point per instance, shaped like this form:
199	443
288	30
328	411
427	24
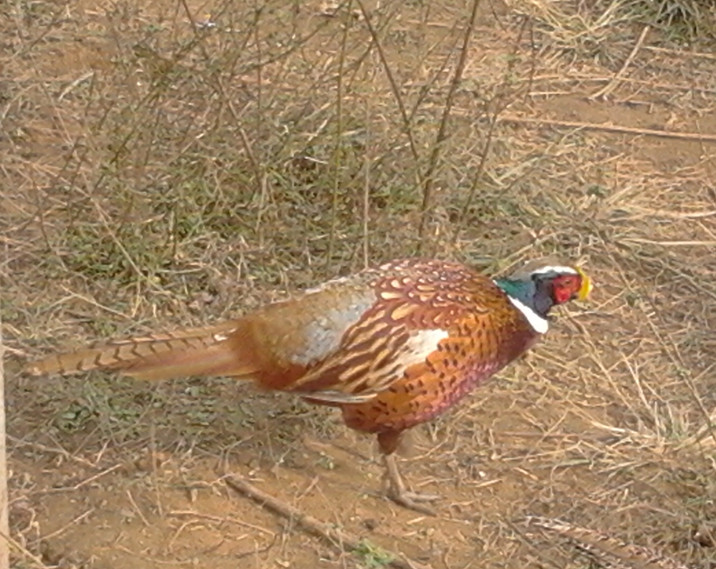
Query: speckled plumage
392	346
483	334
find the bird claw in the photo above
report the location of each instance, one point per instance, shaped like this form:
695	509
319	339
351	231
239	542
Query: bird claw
399	493
413	500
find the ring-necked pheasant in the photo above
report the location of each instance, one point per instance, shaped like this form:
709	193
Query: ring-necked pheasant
392	346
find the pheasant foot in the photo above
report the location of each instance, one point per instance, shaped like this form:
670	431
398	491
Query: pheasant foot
399	493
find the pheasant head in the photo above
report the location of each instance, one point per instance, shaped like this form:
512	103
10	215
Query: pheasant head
538	286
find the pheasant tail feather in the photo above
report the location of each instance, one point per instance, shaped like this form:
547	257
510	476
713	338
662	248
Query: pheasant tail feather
191	352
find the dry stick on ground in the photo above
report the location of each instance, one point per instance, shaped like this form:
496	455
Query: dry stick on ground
695	136
609	87
34	560
330	533
681	52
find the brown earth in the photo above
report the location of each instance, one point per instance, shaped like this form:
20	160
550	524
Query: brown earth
167	163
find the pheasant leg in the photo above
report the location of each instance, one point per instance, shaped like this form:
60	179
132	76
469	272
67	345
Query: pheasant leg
399	493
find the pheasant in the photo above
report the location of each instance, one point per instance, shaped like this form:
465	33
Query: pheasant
392	346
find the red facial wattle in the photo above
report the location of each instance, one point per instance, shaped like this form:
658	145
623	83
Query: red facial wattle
565	288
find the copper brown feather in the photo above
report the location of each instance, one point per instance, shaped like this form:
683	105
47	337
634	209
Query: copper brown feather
392	347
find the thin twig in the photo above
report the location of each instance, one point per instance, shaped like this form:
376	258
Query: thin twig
17	546
659	243
366	184
394	88
429	178
609	87
138	509
337	158
220	520
84	482
336	537
695	136
155	473
44	448
68	525
682	53
75	83
499	103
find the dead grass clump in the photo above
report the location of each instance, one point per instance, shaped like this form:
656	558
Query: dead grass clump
681	21
603	30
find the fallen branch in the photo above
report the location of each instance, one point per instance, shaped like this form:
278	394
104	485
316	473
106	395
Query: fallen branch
336	537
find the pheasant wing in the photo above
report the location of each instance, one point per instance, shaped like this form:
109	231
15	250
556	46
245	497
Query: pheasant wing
419	308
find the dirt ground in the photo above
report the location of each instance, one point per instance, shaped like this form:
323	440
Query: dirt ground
175	163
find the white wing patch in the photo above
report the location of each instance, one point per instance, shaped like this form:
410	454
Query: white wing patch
418	347
539	324
421	344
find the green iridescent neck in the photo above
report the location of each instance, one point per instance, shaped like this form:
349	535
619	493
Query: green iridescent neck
522	290
529	299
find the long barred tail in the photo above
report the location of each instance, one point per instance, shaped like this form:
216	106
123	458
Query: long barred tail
208	350
605	550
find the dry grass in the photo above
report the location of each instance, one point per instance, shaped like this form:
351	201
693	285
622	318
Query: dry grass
175	163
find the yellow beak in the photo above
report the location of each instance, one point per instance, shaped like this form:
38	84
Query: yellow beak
586	287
